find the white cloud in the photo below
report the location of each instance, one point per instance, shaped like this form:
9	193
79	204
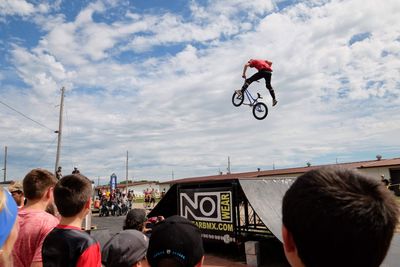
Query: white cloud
218	9
42	72
25	9
16	7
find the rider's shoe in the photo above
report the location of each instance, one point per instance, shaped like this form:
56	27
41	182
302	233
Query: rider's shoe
274	102
239	92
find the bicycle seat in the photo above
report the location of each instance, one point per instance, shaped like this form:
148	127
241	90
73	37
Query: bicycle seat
259	96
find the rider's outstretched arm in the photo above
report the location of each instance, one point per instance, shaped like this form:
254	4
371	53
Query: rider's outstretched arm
244	70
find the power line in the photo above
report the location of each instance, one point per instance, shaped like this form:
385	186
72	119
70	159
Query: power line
45	150
22	114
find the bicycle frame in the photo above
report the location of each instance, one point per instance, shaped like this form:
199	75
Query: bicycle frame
251	99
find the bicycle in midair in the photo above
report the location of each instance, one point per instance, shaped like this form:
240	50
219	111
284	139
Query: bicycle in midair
260	110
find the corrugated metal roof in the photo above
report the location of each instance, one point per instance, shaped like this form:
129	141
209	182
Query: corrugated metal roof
289	171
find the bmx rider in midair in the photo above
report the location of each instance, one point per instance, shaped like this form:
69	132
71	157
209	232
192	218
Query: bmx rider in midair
264	71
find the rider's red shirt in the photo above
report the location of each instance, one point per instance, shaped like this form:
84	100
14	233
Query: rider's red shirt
259	64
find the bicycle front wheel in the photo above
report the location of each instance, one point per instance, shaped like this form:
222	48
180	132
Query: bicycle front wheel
260	111
237	99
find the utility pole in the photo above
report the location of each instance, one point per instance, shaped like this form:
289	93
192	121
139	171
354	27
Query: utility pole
172	175
59	132
126	177
5	164
229	165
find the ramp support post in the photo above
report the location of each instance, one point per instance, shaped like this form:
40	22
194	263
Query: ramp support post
252	249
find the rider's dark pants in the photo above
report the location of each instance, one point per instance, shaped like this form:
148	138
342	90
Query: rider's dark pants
259	75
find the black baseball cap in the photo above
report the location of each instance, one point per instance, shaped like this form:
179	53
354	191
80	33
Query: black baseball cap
125	249
177	238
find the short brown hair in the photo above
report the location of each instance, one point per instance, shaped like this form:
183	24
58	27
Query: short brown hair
36	182
135	219
340	217
71	194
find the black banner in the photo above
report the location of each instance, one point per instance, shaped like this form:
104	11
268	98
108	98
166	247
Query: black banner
211	210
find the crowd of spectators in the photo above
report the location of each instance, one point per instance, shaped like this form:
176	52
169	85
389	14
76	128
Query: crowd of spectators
116	204
331	217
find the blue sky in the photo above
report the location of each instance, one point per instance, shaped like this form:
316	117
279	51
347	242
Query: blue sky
155	78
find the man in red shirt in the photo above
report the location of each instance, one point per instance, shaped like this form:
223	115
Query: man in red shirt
34	222
264	71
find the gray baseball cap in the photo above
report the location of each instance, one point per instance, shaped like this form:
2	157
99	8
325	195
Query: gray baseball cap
125	249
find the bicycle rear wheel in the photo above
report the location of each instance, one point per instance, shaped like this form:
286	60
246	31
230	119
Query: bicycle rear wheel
237	100
260	111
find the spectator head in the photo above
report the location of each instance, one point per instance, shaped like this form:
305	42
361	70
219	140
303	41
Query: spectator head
135	219
336	217
72	195
175	242
125	249
37	183
16	187
8	227
17	191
